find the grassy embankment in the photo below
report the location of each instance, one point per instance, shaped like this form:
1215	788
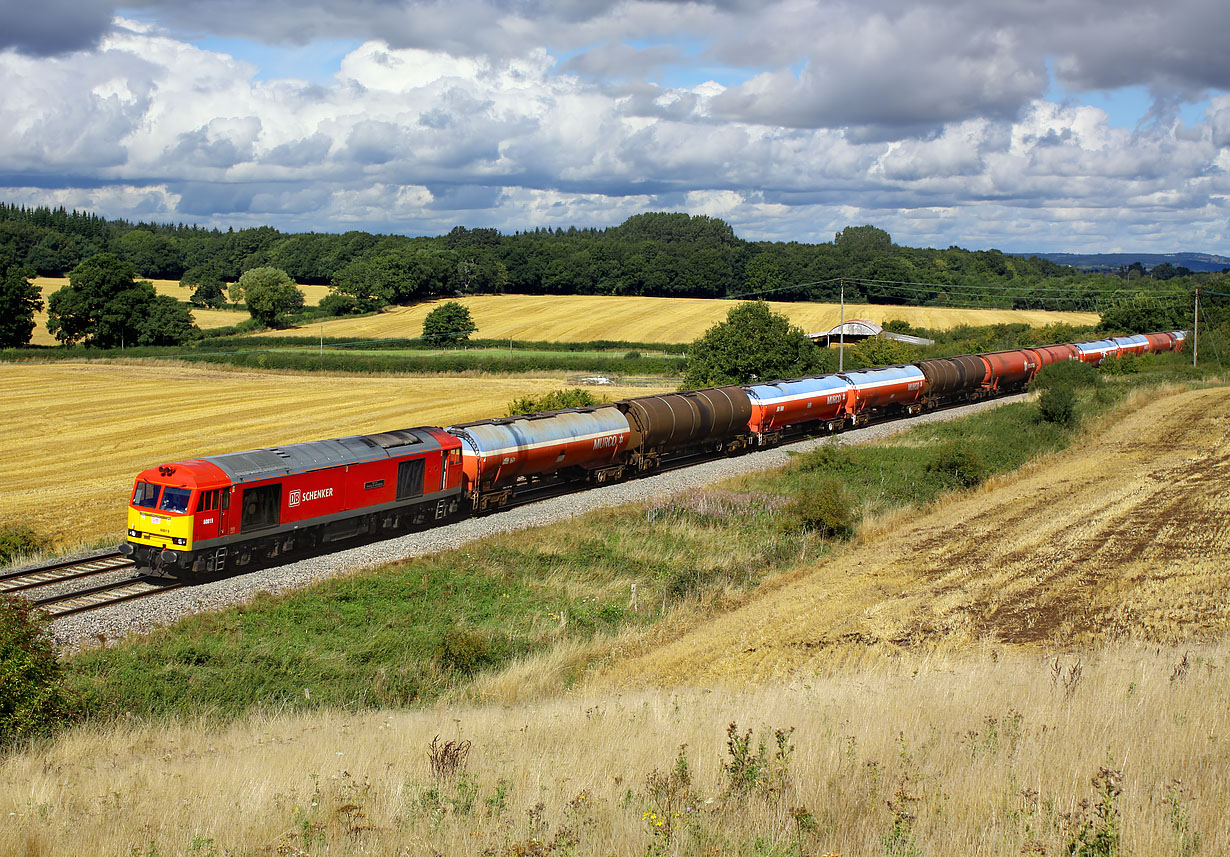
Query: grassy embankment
959	739
996	753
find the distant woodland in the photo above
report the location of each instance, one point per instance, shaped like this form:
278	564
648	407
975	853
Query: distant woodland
657	254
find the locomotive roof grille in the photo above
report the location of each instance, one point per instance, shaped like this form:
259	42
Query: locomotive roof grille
257	464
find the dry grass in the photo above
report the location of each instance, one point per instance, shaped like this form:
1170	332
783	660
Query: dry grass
588	318
82	431
206	319
1123	537
984	754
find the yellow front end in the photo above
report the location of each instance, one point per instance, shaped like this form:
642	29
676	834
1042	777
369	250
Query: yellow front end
158	529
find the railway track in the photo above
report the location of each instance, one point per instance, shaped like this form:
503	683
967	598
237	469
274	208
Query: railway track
28	581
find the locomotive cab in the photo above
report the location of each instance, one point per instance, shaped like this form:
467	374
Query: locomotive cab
172	508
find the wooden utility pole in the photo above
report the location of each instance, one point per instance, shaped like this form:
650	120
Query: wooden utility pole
1196	328
841	348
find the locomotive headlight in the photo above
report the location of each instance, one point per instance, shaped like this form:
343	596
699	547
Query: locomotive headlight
136	534
180	541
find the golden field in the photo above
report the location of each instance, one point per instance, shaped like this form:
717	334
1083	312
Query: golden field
82	431
588	318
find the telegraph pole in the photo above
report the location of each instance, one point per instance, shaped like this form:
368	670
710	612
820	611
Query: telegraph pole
1196	328
841	349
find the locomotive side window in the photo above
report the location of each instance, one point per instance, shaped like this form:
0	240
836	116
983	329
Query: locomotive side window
175	499
410	479
146	495
262	507
208	501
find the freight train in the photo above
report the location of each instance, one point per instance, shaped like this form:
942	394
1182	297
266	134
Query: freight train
207	515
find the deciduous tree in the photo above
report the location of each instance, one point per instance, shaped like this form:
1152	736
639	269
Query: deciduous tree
753	344
104	305
19	301
449	322
270	294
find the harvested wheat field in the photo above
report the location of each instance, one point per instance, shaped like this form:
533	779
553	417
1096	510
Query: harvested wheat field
1123	538
588	318
206	319
82	431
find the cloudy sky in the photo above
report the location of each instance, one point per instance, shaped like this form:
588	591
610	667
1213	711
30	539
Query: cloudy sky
1048	125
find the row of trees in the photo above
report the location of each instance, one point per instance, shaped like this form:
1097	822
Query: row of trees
669	254
106	306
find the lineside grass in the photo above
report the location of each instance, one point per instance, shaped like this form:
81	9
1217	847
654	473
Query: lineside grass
383	638
996	753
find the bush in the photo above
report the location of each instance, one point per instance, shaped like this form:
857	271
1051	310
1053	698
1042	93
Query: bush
448	323
556	400
633	355
18	541
830	457
958	466
1058	405
339	304
1066	373
827	510
1129	364
466	652
33	702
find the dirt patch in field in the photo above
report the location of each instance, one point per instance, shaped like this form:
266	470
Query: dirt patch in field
1124	538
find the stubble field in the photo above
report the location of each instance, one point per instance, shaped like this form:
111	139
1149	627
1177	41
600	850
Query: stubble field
589	318
82	431
1122	538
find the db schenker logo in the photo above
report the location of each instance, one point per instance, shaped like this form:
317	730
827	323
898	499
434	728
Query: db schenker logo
297	496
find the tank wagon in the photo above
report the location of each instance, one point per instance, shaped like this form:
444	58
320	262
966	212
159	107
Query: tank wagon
498	455
1097	351
209	514
820	402
709	420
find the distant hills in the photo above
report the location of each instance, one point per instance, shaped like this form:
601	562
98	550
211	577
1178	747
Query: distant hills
1106	262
